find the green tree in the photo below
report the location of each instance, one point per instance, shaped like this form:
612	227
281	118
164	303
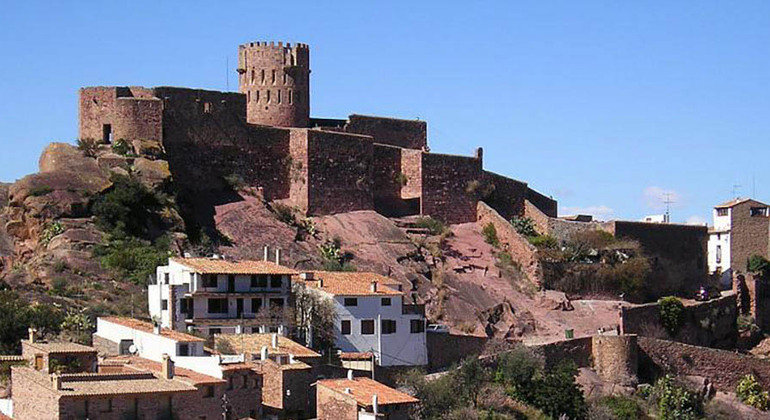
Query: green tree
16	316
760	265
128	207
674	401
671	311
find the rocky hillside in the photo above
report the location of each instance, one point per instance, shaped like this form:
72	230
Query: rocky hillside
85	231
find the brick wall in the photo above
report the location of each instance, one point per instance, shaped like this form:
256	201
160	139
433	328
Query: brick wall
410	134
708	324
749	235
512	242
506	195
723	368
445	187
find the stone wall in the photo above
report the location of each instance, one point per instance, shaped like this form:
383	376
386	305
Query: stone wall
723	368
446	184
505	195
409	134
546	204
749	235
615	358
32	399
411	167
447	349
512	242
753	297
386	175
130	112
578	350
707	324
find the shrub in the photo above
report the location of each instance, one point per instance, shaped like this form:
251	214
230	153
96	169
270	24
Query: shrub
128	207
674	401
88	146
235	181
132	258
759	264
671	311
121	147
16	315
40	190
490	234
524	225
401	179
746	323
59	266
51	230
750	392
59	286
623	408
435	226
544	241
284	213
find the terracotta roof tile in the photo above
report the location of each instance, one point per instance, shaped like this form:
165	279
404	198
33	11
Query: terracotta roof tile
218	266
352	283
111	384
60	347
148	328
351	355
253	343
362	389
135	363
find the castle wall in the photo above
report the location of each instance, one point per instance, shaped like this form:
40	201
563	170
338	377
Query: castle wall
275	79
446	180
545	204
411	167
131	113
708	324
505	195
298	172
138	118
749	235
615	358
409	134
512	242
339	172
386	178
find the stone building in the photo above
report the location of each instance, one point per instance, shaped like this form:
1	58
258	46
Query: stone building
264	138
741	229
361	399
217	295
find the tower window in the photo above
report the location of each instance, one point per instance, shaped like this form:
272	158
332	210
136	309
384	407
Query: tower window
267	100
273	76
253	76
291	97
284	78
256	96
279	96
263	76
248	96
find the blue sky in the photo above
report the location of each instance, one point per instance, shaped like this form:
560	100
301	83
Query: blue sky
606	105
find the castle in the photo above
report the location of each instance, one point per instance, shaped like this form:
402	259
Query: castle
264	137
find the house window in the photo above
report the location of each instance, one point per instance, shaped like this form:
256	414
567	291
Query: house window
367	326
719	254
184	349
213	331
345	327
165	278
276	282
759	211
417	326
164	305
721	212
209	280
185	306
256	305
208	391
276	303
217	306
350	302
388	326
259	280
385	301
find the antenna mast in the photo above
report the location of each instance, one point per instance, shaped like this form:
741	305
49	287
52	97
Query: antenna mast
736	187
667	201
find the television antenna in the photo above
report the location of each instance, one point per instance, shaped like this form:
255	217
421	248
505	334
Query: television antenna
667	201
736	187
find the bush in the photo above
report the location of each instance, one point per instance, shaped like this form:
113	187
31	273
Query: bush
402	179
524	225
132	258
284	213
674	401
671	311
490	234
59	286
16	316
40	191
622	408
746	323
435	226
128	207
51	230
88	147
235	181
759	264
121	147
750	392
544	241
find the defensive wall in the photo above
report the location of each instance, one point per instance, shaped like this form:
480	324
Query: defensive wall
753	297
512	242
708	324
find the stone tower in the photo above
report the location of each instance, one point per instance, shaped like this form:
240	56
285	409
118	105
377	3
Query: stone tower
276	81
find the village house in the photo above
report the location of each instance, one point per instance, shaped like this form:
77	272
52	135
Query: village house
373	317
219	295
741	229
361	399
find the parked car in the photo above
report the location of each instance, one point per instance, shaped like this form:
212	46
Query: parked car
438	329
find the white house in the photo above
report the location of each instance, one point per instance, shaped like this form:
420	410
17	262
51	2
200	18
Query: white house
373	317
217	295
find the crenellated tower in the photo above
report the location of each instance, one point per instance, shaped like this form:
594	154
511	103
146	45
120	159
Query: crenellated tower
276	81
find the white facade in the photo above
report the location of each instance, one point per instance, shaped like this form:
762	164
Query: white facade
200	300
655	218
719	244
371	323
147	344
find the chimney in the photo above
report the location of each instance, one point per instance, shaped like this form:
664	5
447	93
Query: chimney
168	367
278	256
56	379
375	406
374	286
274	340
31	332
347	390
267	252
263	354
350	374
291	358
320	283
156	328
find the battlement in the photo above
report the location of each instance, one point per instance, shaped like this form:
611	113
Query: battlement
273	44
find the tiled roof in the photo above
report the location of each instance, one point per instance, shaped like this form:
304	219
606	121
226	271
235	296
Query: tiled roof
362	389
731	203
60	347
253	343
148	328
135	363
110	384
351	355
219	266
352	283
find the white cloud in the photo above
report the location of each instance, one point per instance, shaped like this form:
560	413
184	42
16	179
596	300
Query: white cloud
655	198
601	212
695	220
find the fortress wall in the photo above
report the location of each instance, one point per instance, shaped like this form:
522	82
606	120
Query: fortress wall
411	167
386	167
298	187
547	205
96	107
505	195
708	324
207	139
339	172
138	118
445	183
722	367
409	134
512	242
615	357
